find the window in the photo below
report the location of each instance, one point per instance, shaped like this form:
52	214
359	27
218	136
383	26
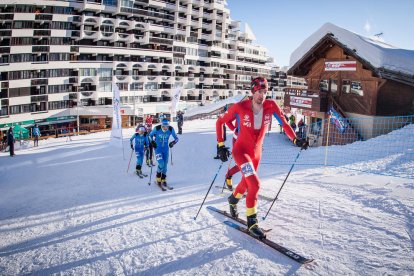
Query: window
352	87
334	85
136	86
323	85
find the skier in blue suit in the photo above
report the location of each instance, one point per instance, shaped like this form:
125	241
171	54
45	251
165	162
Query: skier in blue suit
141	143
159	137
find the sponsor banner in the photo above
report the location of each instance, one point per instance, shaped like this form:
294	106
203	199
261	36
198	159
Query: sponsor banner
116	132
309	113
340	66
337	120
300	102
175	100
40	121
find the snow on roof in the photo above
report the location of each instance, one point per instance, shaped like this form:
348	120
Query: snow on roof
213	107
377	53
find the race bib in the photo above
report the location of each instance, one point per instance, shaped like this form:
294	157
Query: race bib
158	156
247	169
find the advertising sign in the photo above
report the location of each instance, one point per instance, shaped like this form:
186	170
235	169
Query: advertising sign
340	66
300	102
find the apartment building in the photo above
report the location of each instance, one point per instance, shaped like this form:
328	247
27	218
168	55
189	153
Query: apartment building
58	59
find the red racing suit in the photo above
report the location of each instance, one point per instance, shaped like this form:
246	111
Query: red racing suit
247	151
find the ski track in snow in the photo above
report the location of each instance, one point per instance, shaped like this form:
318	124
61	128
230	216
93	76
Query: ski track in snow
70	208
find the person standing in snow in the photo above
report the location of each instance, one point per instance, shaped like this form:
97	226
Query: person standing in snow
161	117
159	137
139	141
150	150
253	117
292	122
180	122
11	141
36	134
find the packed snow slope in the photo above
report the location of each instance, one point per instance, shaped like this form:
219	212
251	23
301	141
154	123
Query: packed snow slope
71	208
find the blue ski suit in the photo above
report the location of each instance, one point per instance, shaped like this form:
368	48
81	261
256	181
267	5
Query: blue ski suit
162	150
141	143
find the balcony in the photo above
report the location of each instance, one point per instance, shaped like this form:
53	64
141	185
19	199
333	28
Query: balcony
41	33
40	49
157	40
44	17
39	82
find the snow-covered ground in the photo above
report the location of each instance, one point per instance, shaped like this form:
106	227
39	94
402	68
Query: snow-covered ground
71	208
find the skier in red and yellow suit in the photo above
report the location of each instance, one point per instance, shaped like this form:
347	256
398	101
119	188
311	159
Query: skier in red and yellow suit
253	117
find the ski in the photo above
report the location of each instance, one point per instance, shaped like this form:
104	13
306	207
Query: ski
164	187
294	256
239	220
141	175
159	185
168	187
259	195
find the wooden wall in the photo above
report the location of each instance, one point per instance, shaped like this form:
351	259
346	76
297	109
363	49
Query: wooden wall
395	99
366	104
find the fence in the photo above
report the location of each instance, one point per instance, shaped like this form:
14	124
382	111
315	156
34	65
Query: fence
380	145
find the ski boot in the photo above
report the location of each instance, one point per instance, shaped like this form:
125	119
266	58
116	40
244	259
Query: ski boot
138	169
253	227
229	183
233	206
159	181
164	180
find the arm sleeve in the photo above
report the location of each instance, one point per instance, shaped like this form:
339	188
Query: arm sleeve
174	135
228	116
152	133
132	138
231	125
277	113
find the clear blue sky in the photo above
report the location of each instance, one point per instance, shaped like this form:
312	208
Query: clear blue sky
281	26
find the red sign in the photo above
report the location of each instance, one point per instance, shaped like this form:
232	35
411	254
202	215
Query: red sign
340	66
301	102
309	113
122	111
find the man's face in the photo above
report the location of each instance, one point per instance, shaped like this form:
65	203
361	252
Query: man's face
260	96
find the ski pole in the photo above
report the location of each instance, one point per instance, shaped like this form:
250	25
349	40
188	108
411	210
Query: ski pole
129	163
228	168
172	164
294	162
149	183
209	189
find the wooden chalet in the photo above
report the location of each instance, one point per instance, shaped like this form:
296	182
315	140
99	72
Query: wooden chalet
357	76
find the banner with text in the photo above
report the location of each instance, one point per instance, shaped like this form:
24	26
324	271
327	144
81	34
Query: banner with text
337	120
116	133
175	100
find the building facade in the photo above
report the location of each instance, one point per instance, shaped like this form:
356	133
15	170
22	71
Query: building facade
58	59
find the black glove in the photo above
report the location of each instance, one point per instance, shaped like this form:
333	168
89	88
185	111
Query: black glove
132	147
223	152
154	144
171	144
302	143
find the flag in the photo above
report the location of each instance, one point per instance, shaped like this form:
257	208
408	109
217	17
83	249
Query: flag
175	99
116	133
337	120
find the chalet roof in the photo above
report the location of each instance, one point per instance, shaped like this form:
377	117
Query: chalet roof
385	60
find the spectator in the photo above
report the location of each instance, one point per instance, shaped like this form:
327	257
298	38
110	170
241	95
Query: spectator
180	122
292	122
301	129
11	141
36	134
